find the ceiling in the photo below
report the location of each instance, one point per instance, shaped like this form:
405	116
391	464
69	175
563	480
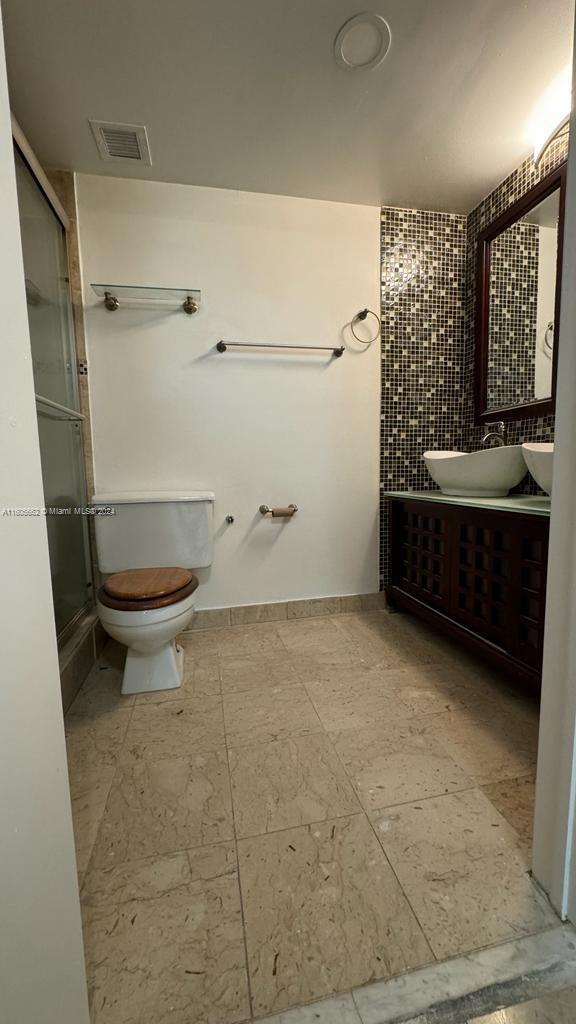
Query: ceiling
246	94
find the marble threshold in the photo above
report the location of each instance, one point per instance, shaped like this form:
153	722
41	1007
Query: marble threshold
455	991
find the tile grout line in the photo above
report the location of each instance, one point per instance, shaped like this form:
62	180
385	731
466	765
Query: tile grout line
476	949
401	887
367	817
117	766
304	824
240	892
323	731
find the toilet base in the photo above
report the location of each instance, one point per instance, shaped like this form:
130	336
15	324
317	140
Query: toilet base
157	670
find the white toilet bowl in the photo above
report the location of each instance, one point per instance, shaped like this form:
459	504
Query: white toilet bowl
154	661
144	541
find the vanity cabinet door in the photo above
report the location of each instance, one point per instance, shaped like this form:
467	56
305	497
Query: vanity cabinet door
530	597
420	536
483	573
499	580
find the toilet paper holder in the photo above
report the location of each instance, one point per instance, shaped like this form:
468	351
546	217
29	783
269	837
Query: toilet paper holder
285	512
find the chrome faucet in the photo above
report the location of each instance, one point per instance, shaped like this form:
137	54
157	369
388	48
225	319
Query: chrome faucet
498	434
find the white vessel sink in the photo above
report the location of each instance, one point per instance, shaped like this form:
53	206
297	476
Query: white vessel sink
539	457
486	474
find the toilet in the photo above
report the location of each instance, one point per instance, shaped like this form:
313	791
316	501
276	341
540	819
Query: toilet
148	542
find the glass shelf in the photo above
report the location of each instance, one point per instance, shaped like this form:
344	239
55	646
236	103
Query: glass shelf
115	295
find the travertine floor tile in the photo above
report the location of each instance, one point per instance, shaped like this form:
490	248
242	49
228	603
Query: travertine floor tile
421	689
174	728
292	782
95	742
163	945
323	912
433	647
89	793
260	638
368	620
257	672
459	864
397	763
201	679
514	798
213	861
478	685
156	807
489	744
257	638
384	635
312	636
151	876
435	688
259	717
355	700
101	691
200	643
317	665
367	627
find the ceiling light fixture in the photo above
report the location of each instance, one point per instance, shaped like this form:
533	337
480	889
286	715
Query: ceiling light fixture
363	42
551	115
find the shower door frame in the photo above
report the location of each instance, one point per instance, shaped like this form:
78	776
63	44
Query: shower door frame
23	148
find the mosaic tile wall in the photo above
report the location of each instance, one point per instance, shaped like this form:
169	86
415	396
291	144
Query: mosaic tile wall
513	315
423	267
428	337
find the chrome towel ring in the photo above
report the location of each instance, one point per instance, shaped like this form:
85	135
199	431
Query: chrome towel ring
549	339
359	318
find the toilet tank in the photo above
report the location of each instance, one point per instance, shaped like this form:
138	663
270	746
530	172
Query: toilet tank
151	529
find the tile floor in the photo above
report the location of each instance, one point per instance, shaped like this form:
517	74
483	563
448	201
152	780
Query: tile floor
325	803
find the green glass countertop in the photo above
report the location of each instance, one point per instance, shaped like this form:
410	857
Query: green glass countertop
525	503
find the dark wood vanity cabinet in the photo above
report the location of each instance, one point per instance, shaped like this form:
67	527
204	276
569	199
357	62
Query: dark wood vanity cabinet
477	574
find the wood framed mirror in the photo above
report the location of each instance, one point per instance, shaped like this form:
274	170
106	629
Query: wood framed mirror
518	305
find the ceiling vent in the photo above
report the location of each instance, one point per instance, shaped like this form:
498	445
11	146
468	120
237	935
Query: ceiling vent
125	142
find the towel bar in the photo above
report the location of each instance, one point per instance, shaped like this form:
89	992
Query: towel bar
338	351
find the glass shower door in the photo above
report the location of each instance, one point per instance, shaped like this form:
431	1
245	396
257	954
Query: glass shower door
57	404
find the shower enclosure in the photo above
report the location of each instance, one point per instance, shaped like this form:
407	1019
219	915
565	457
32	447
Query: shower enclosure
57	402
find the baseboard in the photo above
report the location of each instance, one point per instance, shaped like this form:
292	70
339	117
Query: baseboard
281	611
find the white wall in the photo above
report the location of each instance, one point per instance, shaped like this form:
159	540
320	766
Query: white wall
169	412
554	850
41	958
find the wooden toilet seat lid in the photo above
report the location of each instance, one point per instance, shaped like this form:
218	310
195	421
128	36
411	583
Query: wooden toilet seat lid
149	584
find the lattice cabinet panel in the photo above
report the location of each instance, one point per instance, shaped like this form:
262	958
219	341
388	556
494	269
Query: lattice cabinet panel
482	573
533	558
421	558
